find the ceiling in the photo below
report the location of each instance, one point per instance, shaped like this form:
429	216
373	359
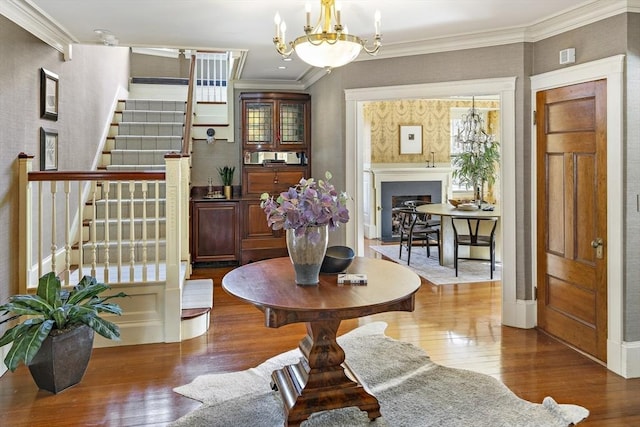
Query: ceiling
408	26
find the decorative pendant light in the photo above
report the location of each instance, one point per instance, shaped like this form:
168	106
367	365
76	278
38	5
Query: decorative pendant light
471	135
328	43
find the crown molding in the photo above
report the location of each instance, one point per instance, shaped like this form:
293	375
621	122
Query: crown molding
449	43
28	16
285	85
570	19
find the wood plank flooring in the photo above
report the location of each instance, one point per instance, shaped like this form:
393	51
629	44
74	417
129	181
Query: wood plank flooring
458	325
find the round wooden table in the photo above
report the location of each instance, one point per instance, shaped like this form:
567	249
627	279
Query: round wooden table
321	380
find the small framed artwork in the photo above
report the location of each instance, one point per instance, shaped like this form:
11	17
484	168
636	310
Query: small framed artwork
48	149
48	95
410	139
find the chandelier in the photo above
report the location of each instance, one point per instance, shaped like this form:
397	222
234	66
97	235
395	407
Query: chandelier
328	43
471	135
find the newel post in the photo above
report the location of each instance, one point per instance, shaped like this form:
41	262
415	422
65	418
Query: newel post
184	232
173	291
25	232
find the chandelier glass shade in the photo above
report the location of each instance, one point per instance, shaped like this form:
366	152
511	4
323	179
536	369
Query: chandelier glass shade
327	44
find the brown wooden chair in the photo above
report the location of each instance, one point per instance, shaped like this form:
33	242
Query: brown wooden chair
415	228
475	232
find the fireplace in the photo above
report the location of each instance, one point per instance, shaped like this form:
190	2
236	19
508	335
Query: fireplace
394	194
387	180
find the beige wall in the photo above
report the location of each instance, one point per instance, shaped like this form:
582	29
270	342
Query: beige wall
632	183
87	88
599	40
158	66
386	117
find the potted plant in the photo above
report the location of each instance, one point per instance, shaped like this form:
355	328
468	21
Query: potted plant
56	338
226	175
305	211
476	167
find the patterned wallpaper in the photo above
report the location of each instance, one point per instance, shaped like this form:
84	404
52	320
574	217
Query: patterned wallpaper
386	117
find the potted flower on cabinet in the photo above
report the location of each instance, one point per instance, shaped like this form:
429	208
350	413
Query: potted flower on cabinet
226	175
305	211
56	339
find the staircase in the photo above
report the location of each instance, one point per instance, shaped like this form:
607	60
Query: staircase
143	131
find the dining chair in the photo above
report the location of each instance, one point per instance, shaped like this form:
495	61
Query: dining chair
414	228
428	218
475	232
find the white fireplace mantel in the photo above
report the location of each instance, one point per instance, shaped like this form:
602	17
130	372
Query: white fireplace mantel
398	172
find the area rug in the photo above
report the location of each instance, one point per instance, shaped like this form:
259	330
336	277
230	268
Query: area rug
412	391
430	268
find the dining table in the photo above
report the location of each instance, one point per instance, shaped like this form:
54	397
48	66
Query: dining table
448	213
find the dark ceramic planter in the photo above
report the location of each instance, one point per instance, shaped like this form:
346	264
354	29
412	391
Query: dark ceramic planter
62	360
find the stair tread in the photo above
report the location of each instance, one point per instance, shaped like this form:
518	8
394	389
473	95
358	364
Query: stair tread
190	313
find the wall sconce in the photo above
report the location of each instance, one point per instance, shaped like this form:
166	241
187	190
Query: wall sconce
210	135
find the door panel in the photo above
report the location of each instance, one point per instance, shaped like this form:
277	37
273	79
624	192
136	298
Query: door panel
571	199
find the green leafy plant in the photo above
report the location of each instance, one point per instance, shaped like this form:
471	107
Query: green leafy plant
477	167
226	174
53	310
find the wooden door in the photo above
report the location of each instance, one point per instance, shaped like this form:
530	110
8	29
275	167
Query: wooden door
572	215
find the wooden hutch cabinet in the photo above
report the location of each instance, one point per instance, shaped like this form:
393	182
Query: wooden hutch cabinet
276	152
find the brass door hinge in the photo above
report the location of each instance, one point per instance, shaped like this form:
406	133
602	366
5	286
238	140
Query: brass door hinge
535	120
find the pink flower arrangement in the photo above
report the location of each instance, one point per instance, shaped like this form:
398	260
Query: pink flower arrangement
309	203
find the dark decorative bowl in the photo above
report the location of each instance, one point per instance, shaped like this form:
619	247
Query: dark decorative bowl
337	259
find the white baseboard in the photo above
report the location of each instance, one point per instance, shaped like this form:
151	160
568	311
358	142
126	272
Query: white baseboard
629	360
134	334
519	314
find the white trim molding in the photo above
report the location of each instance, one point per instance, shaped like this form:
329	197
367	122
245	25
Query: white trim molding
630	359
28	16
619	355
504	88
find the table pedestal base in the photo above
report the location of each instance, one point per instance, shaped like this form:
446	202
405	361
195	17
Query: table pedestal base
321	380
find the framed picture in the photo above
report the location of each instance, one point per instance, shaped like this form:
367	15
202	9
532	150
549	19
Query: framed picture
48	95
410	139
48	149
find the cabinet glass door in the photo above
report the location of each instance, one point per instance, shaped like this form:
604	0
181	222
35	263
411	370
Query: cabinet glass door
292	123
259	123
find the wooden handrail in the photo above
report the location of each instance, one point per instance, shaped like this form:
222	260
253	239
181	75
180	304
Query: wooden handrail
99	175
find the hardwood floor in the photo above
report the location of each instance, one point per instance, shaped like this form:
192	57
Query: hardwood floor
458	326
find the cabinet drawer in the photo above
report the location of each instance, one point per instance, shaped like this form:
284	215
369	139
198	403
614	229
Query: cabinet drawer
271	181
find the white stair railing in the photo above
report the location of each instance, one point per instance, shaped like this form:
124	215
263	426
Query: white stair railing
212	76
150	231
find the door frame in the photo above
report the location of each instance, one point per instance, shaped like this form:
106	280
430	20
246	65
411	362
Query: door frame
611	69
518	313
